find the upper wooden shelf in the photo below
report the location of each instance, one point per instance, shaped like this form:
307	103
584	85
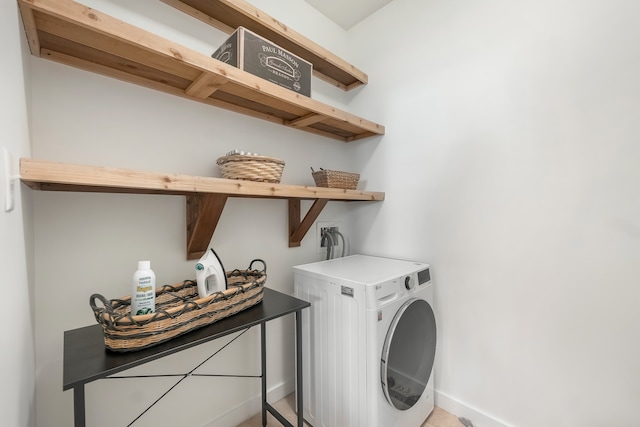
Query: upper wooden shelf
206	196
73	34
227	15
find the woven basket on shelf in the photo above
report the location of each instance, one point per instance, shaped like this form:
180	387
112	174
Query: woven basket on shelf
251	168
178	310
336	179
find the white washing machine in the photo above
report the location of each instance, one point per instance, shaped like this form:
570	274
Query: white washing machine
369	342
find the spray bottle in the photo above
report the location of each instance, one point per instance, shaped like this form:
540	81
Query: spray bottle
143	296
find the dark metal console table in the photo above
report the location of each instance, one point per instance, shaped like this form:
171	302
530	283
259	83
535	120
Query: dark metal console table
86	359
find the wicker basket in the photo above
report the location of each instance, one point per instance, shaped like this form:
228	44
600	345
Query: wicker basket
336	179
178	310
251	168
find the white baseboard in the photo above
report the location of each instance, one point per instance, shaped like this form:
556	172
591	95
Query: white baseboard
460	409
251	407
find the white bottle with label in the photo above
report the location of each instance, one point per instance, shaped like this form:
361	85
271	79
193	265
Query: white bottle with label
143	296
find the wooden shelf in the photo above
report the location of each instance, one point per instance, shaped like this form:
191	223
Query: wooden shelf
205	196
227	15
73	34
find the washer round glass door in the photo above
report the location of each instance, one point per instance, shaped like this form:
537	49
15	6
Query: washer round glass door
408	354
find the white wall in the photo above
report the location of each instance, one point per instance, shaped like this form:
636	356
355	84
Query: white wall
511	165
88	243
508	164
17	366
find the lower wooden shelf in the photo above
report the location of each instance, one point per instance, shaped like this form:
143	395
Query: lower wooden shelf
205	196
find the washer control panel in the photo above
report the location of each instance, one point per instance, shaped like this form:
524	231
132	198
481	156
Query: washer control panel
391	290
416	279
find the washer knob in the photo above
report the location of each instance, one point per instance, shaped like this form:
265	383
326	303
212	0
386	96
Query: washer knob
408	283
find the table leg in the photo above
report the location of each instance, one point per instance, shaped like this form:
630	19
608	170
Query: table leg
78	406
263	350
299	367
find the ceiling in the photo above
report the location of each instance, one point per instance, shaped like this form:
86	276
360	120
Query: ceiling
347	13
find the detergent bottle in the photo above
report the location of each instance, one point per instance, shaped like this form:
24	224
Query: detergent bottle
210	274
143	296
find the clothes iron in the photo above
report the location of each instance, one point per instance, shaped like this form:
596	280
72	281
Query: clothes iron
210	274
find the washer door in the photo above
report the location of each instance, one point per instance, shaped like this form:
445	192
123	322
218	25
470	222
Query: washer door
408	354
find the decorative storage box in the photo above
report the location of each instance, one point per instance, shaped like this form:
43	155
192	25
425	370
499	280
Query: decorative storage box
336	179
178	310
251	168
250	52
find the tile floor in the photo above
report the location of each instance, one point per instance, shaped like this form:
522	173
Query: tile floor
438	418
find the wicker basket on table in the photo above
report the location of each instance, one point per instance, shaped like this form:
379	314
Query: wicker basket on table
335	179
178	310
251	168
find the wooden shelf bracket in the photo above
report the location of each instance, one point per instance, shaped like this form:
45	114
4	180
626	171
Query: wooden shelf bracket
203	214
298	229
204	211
